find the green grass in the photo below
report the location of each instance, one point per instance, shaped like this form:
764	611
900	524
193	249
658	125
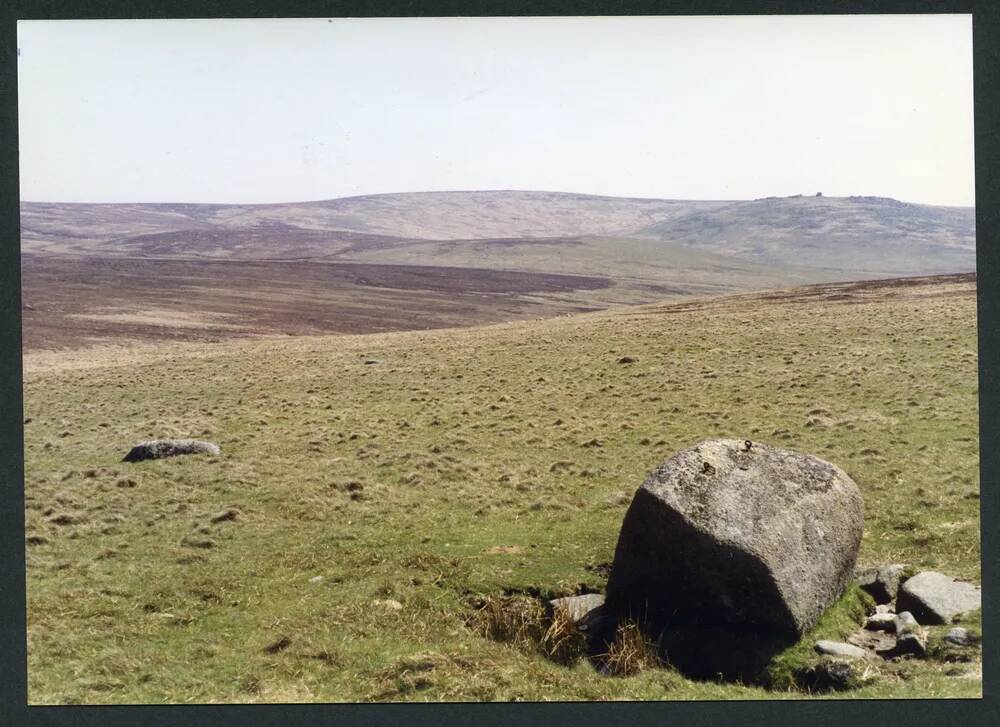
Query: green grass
469	463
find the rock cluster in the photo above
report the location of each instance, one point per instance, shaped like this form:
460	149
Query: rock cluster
924	599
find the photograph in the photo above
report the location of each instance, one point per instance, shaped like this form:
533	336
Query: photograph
499	359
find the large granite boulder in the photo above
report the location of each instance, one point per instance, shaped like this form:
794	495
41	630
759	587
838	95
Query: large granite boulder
740	535
935	598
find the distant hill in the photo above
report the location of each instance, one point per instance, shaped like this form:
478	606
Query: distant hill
715	245
851	233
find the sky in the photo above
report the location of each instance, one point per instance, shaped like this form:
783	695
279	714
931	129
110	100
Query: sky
254	111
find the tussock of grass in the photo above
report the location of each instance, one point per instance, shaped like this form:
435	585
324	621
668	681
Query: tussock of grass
630	652
562	641
518	620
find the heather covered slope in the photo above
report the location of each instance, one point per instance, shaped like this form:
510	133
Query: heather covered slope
814	238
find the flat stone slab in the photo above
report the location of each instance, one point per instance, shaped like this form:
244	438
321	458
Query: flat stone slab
934	598
881	622
584	610
841	650
160	448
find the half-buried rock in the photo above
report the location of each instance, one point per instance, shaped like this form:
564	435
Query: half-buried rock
737	536
160	448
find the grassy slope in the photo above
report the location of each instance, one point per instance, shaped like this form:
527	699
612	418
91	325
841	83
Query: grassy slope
398	480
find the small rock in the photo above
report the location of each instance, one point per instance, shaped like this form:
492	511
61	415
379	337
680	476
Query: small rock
881	622
841	650
885	608
959	637
390	604
316	579
910	644
584	610
627	359
833	674
160	448
935	598
881	583
225	515
372	361
905	623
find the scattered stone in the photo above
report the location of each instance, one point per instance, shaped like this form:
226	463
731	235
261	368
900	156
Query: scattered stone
872	641
911	644
841	650
160	448
584	610
832	675
935	598
960	637
735	533
627	359
225	515
881	622
905	623
881	583
390	604
317	579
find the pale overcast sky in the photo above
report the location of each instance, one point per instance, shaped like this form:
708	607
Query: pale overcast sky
684	108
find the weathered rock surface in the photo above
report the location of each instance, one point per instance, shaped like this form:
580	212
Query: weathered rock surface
913	644
881	622
160	448
586	611
905	623
959	637
935	598
833	675
881	583
841	650
737	534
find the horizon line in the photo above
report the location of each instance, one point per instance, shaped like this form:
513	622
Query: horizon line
497	191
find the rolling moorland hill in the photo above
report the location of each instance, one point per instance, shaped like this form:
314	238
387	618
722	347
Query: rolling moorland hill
815	238
95	274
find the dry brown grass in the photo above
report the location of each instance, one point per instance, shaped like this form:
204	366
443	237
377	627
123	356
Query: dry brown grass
518	620
563	642
630	652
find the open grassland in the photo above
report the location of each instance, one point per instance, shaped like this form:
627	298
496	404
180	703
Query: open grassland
461	464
